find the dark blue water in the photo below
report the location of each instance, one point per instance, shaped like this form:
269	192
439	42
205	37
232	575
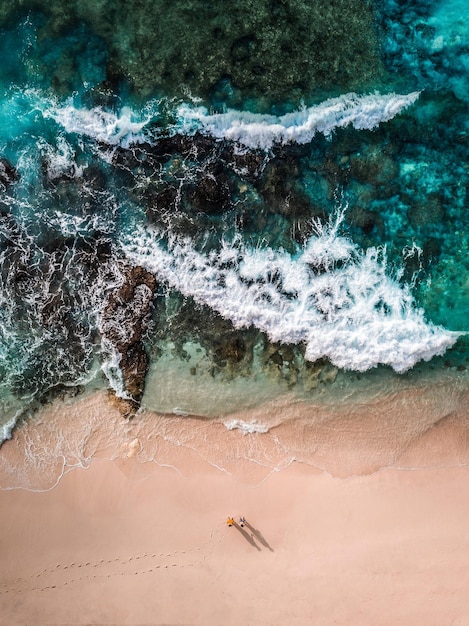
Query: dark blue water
237	196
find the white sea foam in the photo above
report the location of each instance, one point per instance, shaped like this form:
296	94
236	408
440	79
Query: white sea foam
104	126
263	131
59	159
110	366
7	427
246	427
248	129
337	300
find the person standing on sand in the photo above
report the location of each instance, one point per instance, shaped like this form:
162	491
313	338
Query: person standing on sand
230	521
242	521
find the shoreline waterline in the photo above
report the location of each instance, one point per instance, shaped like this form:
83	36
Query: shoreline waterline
415	425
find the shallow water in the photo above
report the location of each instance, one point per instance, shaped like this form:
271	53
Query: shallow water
296	199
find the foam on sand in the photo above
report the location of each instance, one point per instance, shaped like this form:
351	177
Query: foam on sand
246	427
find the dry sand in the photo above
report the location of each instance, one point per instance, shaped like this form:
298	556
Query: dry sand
133	542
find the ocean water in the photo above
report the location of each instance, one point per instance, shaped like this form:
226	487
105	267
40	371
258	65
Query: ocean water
203	208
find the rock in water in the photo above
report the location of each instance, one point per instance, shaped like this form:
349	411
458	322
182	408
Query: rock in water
8	173
123	323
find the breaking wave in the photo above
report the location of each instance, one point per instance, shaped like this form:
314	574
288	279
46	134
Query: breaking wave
103	126
91	183
263	131
339	301
253	130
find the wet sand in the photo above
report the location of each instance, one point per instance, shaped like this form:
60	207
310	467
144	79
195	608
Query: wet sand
132	541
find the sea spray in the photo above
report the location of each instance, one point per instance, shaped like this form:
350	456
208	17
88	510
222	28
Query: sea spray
264	131
340	302
252	130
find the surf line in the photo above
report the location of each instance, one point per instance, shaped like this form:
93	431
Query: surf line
340	302
251	130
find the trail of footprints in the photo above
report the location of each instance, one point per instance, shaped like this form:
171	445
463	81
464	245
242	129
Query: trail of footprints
97	569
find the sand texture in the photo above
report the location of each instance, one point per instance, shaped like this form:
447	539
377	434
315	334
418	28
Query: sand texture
127	544
134	540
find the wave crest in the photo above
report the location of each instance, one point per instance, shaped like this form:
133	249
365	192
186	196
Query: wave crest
252	130
337	300
264	131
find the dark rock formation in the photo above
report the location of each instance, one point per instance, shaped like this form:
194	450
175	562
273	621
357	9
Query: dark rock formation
374	166
229	349
365	219
123	323
8	173
281	191
160	203
211	194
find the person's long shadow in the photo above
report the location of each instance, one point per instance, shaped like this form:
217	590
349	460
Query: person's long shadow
247	536
258	535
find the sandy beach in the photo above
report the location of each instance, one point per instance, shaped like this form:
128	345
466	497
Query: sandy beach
129	541
123	544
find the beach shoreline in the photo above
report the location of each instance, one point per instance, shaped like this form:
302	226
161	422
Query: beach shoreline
417	425
132	528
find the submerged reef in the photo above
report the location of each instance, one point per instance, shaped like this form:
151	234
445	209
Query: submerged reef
427	44
274	51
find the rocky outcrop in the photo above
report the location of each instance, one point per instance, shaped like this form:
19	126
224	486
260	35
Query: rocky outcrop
123	324
211	194
8	173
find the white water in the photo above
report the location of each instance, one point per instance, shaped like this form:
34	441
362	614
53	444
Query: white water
263	131
103	126
59	159
337	300
248	129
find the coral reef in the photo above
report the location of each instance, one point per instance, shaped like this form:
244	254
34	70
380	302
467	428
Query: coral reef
227	53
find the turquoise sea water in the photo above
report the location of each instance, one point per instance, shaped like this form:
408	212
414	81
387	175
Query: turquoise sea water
229	202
